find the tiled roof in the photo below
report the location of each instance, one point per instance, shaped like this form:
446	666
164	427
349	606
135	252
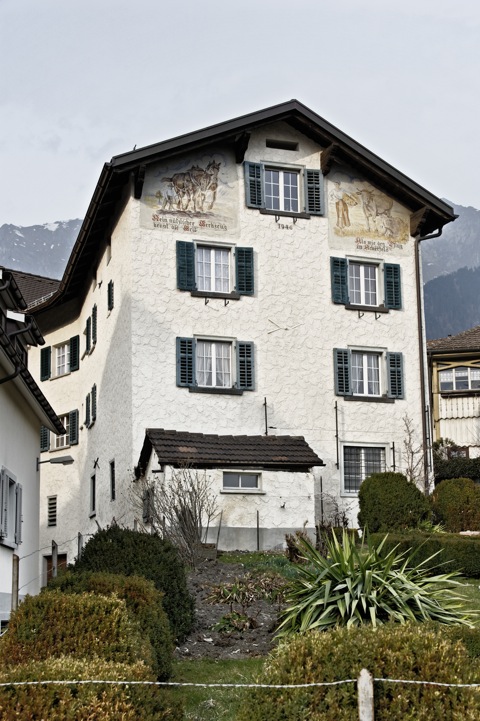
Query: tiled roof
34	287
468	340
197	449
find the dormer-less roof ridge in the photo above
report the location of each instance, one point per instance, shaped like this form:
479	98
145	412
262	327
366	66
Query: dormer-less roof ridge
184	448
466	340
433	212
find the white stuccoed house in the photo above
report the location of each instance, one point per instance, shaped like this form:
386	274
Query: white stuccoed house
23	411
259	278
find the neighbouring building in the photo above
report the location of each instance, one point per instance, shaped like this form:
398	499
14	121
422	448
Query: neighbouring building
454	364
259	280
24	410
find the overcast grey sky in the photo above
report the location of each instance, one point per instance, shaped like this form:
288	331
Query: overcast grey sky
83	81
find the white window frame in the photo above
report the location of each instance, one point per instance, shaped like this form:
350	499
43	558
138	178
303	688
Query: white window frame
62	441
371	385
283	199
62	369
470	371
10	509
201	280
200	342
384	463
242	489
364	292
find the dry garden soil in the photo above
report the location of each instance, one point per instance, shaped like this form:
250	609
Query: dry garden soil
254	637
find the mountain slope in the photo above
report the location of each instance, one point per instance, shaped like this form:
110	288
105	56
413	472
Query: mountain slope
39	249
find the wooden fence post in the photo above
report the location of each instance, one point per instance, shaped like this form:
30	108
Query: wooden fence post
365	695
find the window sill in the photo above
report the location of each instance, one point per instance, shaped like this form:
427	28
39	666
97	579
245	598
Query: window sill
459	394
8	544
60	375
218	391
284	214
212	294
370	399
243	491
367	308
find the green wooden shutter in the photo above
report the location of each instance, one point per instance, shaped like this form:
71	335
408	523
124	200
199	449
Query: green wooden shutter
88	334
73	427
338	269
314	192
18	514
87	411
44	439
393	290
185	362
341	360
395	375
110	298
75	353
244	271
245	366
45	363
94	403
94	324
185	265
254	185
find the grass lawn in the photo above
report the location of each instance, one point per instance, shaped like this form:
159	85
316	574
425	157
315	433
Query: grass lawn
213	703
470	590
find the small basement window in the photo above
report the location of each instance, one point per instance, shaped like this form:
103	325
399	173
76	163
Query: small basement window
240	481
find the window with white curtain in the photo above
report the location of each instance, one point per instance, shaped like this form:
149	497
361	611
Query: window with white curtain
365	374
213	269
213	363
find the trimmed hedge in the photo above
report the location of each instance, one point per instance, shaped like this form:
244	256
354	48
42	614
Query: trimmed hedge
456	468
89	702
86	626
131	553
457	553
456	504
143	601
413	652
388	501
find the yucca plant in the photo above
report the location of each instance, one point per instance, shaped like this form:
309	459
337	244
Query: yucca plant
358	585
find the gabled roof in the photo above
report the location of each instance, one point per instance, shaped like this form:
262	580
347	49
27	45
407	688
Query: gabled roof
34	288
467	340
199	450
430	212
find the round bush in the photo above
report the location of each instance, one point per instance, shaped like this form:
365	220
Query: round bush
411	652
143	601
56	624
389	502
84	702
130	553
456	504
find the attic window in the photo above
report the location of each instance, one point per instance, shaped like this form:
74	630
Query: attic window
281	144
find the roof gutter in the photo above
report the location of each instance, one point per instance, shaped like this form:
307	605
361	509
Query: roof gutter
422	342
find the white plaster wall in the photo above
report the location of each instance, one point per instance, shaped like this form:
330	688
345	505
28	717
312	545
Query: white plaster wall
109	367
19	433
134	363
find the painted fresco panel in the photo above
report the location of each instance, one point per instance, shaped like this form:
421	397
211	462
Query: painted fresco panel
192	195
362	217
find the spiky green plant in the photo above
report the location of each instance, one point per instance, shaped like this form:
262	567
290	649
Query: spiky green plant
358	585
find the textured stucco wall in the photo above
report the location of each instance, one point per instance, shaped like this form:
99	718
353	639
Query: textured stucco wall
291	320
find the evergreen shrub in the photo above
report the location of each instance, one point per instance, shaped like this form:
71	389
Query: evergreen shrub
389	501
412	652
455	552
143	601
130	553
89	702
456	504
56	624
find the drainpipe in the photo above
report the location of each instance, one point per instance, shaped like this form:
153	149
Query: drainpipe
422	344
11	376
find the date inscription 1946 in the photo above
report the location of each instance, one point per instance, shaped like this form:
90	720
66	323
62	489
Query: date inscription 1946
284	226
